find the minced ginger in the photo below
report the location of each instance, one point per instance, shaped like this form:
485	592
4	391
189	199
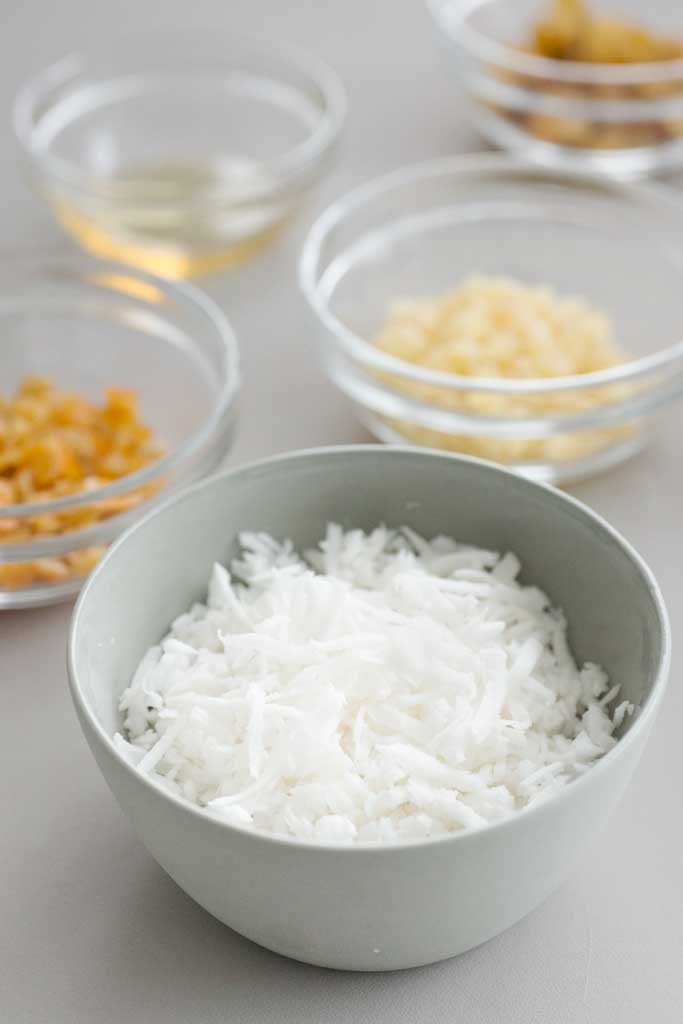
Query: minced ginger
498	328
54	444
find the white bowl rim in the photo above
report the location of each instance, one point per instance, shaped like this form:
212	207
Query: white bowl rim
472	163
282	168
645	716
217	321
454	26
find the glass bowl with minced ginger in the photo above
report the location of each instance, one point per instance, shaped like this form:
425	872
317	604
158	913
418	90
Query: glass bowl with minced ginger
116	388
496	309
586	85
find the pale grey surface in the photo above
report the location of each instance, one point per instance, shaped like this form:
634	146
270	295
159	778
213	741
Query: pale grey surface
91	931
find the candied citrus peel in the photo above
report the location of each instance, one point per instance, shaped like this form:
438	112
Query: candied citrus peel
54	444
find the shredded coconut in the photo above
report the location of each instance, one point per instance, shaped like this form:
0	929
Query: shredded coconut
379	688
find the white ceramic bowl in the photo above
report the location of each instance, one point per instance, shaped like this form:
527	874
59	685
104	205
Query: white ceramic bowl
370	907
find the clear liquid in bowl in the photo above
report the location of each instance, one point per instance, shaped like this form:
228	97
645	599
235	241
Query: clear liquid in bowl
175	218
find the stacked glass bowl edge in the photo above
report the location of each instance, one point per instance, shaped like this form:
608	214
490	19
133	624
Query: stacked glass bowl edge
419	231
622	120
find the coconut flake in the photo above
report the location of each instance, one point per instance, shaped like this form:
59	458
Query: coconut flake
380	688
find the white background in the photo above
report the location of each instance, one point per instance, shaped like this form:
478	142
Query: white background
91	930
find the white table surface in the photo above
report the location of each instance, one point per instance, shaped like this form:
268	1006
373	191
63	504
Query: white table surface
91	930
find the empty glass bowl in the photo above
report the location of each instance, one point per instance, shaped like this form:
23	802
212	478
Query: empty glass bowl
89	326
419	231
623	120
179	153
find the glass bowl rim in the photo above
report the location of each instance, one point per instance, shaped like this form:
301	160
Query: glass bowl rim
189	296
485	48
280	169
481	163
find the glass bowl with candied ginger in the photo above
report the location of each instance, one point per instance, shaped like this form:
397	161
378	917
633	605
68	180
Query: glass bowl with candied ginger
116	388
583	85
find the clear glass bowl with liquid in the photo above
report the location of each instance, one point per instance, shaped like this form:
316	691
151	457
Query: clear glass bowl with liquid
179	153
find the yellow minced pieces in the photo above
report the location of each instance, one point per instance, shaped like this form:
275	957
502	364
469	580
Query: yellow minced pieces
497	327
502	329
54	444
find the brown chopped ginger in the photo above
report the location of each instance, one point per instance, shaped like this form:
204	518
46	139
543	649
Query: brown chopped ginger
54	444
572	32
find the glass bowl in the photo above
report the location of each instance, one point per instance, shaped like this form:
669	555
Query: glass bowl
623	120
89	326
180	153
419	231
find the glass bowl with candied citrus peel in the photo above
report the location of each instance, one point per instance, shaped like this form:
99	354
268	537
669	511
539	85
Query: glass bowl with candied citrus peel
56	444
116	388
